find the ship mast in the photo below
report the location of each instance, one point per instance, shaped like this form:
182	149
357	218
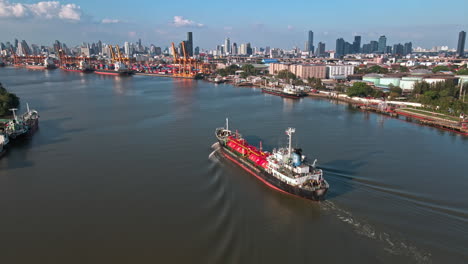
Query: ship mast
290	132
14	113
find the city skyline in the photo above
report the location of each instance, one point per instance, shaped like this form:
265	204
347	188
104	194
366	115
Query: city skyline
88	21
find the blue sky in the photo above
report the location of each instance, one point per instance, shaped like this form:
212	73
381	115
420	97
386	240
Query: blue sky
280	24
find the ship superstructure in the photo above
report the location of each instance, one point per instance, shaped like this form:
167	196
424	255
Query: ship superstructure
283	169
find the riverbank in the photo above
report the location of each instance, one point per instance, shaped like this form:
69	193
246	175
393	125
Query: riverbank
397	109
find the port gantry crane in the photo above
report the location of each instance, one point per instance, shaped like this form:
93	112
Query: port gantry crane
185	66
26	58
66	60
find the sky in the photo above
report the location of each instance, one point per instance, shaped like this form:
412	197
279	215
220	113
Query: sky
278	24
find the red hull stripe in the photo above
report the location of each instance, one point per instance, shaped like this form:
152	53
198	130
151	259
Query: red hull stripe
258	177
108	73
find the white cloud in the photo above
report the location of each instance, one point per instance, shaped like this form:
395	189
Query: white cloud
179	21
110	21
45	9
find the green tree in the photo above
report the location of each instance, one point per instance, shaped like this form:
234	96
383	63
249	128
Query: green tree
285	74
403	69
315	83
7	101
360	89
462	71
397	90
420	87
440	68
376	69
229	70
249	69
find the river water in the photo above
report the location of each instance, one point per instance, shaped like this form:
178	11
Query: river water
122	170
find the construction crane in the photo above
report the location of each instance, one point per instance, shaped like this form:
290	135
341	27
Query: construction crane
112	53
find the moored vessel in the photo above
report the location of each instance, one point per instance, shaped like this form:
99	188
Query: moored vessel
289	91
118	69
83	67
48	64
22	126
284	169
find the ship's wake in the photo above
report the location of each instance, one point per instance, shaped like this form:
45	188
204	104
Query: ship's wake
392	244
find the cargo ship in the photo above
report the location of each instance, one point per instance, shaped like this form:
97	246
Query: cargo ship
288	91
118	69
83	67
284	169
22	126
48	64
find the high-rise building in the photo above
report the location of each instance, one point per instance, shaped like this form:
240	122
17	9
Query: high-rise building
23	48
374	46
461	44
408	48
340	47
348	48
189	43
398	49
128	49
357	44
382	44
227	46
249	49
320	49
310	42
234	50
366	48
388	49
197	50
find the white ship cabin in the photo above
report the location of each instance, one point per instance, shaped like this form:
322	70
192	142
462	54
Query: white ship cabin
290	167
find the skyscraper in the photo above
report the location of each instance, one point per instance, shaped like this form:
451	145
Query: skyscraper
189	43
310	41
382	44
408	49
340	47
320	49
461	44
227	46
234	49
249	49
398	49
357	44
